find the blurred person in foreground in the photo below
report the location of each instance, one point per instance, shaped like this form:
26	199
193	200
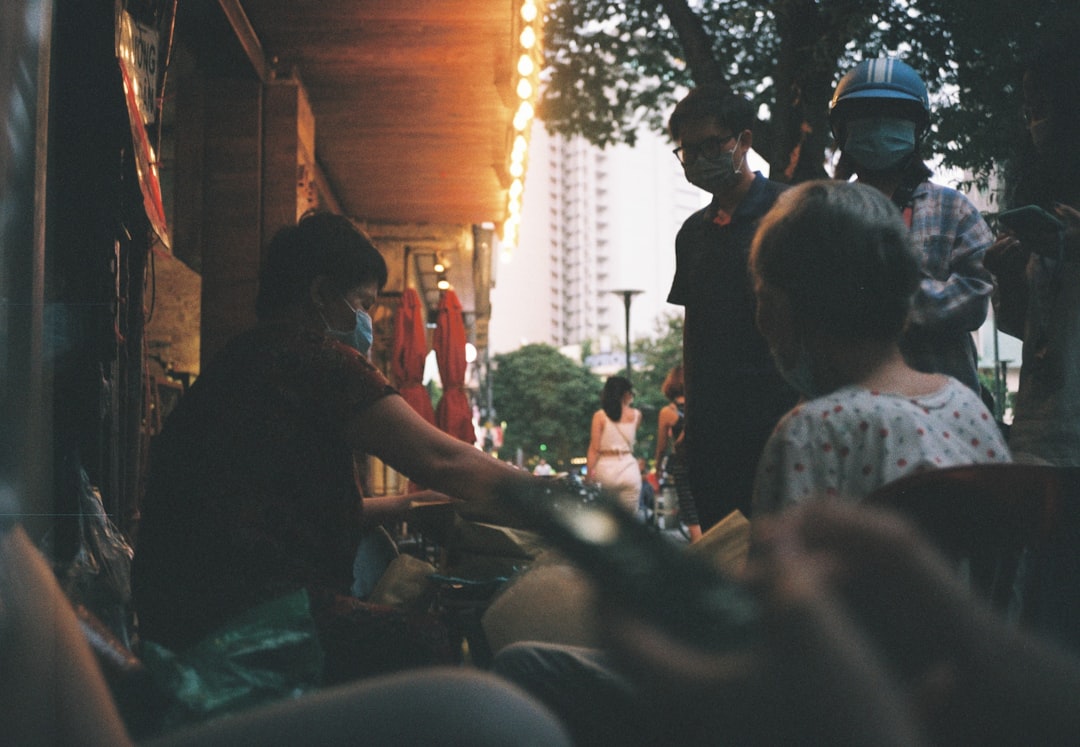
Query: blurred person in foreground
1038	272
835	272
869	637
252	491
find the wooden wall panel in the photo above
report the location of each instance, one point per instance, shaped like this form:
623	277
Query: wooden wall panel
232	235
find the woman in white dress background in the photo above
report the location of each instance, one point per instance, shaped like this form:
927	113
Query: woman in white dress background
611	461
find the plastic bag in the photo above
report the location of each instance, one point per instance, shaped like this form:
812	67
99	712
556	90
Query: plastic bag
268	653
99	575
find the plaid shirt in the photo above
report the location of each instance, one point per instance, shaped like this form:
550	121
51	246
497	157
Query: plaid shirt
951	237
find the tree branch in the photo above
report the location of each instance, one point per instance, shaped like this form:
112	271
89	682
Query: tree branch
697	45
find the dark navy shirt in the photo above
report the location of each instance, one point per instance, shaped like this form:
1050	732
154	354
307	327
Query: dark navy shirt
734	395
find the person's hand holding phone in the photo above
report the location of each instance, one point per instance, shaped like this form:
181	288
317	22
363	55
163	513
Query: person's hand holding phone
1037	229
1007	256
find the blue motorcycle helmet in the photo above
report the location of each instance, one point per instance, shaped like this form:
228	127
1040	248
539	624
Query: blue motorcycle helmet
882	87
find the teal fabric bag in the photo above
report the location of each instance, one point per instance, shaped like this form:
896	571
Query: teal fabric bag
268	653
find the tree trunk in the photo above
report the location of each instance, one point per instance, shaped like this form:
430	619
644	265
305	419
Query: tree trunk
697	45
795	138
814	36
804	74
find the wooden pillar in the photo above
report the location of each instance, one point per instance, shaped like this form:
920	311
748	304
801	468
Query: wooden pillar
231	213
288	151
257	140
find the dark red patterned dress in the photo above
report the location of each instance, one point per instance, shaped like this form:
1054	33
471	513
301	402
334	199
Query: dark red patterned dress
252	494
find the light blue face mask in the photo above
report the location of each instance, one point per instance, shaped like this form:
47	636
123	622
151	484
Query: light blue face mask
800	376
715	175
879	143
360	336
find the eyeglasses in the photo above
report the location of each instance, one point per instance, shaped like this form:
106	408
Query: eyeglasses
710	147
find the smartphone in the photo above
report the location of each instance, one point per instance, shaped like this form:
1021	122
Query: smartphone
1030	219
643	569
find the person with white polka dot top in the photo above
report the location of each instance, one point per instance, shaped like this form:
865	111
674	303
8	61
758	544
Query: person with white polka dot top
834	274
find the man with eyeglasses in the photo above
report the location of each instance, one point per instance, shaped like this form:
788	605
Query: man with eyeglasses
734	395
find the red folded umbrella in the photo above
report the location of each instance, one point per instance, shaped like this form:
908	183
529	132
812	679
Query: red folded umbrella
410	350
454	414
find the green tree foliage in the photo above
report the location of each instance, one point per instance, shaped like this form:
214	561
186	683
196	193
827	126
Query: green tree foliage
544	398
613	66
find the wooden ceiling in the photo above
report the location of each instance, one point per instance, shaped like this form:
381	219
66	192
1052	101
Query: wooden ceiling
413	99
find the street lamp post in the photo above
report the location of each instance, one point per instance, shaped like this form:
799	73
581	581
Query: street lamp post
627	296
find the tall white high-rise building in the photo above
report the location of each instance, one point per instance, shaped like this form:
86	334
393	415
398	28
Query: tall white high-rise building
593	221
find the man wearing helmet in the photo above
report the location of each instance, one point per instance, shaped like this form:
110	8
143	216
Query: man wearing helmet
879	114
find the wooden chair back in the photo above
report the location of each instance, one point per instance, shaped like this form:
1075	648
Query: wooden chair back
1016	525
